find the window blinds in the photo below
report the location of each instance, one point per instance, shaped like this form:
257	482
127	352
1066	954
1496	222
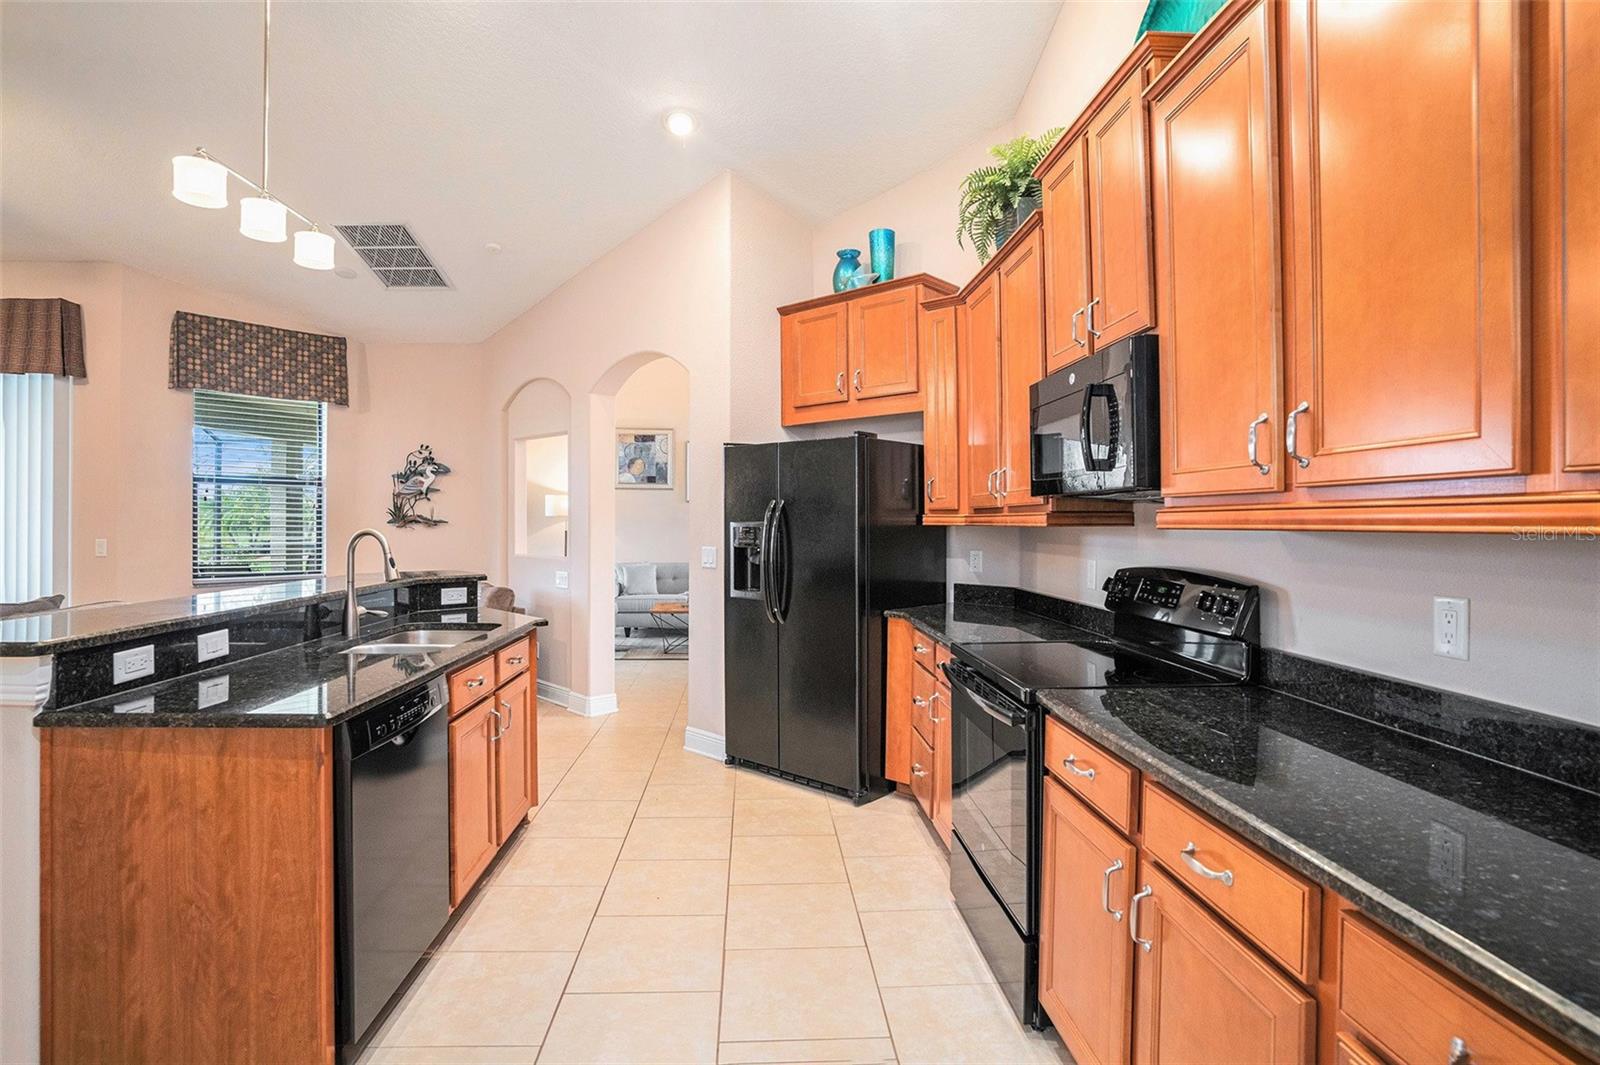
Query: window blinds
258	487
28	486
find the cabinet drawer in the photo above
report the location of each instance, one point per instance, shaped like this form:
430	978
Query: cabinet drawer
1413	1011
1268	903
925	650
509	661
924	704
1102	779
922	773
469	685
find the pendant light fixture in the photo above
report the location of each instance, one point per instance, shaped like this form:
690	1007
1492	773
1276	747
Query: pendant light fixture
202	181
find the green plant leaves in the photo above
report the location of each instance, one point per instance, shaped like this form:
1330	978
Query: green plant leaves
989	193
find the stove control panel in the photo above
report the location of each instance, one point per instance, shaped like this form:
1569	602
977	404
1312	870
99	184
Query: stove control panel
1177	597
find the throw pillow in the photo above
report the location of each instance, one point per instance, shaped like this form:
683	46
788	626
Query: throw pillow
639	578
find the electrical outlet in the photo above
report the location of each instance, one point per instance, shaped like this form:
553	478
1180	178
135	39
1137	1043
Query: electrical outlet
453	596
454	619
133	663
708	558
146	705
561	578
100	549
211	691
975	561
1450	627
211	645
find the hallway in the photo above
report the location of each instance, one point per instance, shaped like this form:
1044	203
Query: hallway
663	907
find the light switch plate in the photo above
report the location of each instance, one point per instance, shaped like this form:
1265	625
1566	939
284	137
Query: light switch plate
453	596
211	645
211	691
708	558
133	663
100	549
561	578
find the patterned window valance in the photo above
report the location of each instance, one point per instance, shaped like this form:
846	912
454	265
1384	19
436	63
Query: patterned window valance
223	355
41	336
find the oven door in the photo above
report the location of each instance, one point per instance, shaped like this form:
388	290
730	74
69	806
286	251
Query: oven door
995	765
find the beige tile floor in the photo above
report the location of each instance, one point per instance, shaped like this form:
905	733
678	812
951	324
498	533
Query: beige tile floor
662	907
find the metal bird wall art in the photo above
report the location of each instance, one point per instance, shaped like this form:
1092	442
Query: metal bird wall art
413	486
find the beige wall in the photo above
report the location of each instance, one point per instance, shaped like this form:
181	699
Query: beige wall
131	435
539	409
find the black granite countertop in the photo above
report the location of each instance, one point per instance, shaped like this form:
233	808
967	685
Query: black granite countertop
78	627
309	685
1492	869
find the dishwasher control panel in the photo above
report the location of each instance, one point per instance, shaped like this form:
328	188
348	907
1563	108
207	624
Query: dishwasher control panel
398	717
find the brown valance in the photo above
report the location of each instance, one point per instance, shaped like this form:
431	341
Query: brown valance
223	355
41	336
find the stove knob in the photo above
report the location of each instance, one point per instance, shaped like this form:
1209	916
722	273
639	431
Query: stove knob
1227	606
1208	602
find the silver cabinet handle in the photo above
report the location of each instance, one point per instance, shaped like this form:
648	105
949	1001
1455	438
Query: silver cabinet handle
935	697
917	770
917	700
857	380
1089	319
992	475
1289	435
930	488
920	648
1105	890
516	660
1133	916
476	682
1187	854
509	719
1076	339
1459	1054
498	722
1071	762
1262	467
838	383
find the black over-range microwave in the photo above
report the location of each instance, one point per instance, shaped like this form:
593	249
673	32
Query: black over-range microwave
1096	425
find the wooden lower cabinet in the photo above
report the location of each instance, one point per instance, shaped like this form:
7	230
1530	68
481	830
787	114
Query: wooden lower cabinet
942	791
899	668
922	773
1202	994
1085	956
474	833
516	757
917	721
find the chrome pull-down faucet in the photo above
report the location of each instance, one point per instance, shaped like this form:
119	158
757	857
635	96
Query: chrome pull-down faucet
352	611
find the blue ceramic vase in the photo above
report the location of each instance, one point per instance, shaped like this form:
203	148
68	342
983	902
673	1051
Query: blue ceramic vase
881	242
849	263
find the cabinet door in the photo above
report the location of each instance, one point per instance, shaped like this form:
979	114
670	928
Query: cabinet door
473	832
1085	955
980	392
897	702
1577	36
1202	994
1212	154
1409	239
516	765
922	773
1021	362
816	365
1122	301
1066	257
883	343
941	763
941	461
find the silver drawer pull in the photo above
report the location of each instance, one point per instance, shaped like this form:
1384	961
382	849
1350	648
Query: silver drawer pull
920	648
1133	916
1105	890
917	770
498	731
935	697
1187	854
1070	762
1459	1054
917	700
517	661
475	683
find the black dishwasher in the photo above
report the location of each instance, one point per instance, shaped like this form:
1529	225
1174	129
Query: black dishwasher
391	852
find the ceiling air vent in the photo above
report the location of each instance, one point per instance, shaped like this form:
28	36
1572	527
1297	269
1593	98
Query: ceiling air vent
394	255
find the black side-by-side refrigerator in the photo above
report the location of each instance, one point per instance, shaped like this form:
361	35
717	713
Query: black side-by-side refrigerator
823	537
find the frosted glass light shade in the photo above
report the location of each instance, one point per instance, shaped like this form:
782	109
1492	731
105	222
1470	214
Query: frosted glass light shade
263	219
555	506
199	182
313	249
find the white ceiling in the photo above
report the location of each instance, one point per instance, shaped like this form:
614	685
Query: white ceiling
537	126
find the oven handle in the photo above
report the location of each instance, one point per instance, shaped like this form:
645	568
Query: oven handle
962	677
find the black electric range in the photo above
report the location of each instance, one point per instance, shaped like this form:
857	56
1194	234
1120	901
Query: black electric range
1170	628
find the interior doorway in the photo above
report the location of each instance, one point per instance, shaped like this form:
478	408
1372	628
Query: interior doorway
538	419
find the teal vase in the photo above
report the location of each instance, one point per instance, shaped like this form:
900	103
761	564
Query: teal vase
849	263
881	241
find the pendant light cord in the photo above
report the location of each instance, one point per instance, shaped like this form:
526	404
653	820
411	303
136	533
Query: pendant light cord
266	87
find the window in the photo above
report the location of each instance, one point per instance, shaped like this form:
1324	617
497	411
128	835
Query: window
258	493
34	442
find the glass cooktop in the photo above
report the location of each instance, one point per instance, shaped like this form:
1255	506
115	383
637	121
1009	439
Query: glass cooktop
1025	668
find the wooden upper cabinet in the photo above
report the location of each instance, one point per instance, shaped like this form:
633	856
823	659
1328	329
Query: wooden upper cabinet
1575	34
941	428
1066	256
980	392
1123	300
1203	994
1021	275
516	757
1405	125
883	343
473	831
816	362
1085	955
1217	263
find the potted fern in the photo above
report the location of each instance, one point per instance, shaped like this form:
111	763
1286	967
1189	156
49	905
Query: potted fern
996	199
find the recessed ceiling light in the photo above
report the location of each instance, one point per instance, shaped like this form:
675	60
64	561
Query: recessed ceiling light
680	123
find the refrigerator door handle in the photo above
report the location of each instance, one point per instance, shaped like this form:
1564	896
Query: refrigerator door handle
780	565
765	573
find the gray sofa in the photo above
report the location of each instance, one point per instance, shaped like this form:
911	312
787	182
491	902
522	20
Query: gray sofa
641	585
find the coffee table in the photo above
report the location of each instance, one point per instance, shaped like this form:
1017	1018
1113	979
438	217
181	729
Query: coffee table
674	619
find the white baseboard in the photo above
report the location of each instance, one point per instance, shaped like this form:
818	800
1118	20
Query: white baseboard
591	705
554	693
708	744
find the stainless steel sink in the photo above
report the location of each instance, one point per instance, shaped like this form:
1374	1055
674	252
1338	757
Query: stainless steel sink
416	641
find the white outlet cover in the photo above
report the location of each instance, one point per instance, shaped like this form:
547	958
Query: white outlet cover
561	578
147	705
211	691
211	645
975	561
454	619
708	558
133	663
1450	626
453	596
